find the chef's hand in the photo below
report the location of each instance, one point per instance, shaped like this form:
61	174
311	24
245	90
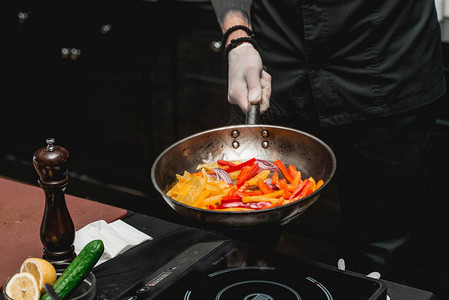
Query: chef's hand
248	82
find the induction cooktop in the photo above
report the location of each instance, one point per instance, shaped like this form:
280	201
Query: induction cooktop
232	270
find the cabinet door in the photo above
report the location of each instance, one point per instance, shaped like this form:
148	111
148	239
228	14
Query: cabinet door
74	77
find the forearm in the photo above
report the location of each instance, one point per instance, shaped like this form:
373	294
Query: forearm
233	12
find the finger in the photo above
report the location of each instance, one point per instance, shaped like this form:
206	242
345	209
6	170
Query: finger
254	85
265	81
238	93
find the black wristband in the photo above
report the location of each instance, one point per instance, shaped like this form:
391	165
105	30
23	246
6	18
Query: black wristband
236	42
232	29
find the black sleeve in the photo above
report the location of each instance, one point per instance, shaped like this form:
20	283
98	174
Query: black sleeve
223	7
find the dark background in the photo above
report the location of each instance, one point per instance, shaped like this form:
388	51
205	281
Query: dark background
138	77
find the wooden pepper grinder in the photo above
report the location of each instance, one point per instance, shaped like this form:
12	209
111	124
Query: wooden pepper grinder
57	231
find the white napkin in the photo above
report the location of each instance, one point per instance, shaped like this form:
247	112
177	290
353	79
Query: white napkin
117	237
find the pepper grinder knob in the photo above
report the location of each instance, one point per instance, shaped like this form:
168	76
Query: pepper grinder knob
51	163
57	231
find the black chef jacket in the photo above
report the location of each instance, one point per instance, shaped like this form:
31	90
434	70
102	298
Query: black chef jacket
349	60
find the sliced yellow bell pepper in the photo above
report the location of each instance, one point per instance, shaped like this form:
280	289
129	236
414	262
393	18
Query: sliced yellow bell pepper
191	190
209	200
313	181
234	175
318	184
267	197
262	174
208	167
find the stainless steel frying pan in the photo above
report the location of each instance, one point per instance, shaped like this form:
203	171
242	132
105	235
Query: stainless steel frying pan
308	153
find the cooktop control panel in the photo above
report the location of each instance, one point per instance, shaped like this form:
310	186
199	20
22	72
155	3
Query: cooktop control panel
153	284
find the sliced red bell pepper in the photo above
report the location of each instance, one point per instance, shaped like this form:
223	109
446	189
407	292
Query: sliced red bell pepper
284	170
233	189
226	163
251	205
292	170
246	173
242	175
240	166
296	181
249	193
307	190
237	204
258	205
243	187
299	189
231	198
275	178
282	184
265	188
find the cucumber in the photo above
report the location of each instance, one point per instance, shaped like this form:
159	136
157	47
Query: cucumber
81	265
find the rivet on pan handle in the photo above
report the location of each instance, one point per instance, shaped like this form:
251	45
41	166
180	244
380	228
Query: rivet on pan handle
253	114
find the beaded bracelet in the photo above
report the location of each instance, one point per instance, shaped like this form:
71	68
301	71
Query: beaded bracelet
236	42
231	30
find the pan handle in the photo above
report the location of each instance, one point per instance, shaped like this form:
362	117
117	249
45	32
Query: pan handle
253	114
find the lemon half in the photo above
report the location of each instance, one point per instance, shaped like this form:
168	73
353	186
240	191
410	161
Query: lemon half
42	270
23	286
